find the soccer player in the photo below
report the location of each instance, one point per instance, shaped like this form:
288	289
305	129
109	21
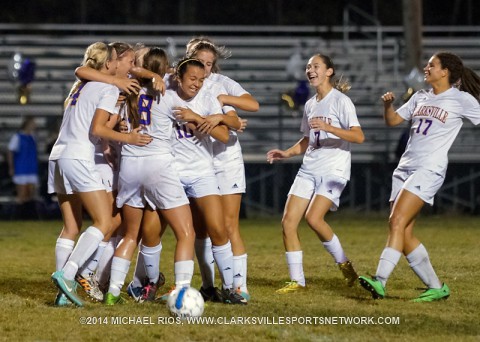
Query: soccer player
140	184
193	158
437	115
329	127
129	85
228	165
72	172
95	273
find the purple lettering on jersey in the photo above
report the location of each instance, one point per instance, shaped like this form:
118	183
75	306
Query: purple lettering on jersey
433	112
145	109
76	94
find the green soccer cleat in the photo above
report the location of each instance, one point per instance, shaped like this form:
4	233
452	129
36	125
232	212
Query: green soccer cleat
110	299
62	300
373	286
431	295
348	272
68	287
291	286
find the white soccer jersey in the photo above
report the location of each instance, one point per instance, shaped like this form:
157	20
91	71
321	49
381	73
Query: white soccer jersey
74	139
193	150
231	151
436	121
157	120
232	87
327	153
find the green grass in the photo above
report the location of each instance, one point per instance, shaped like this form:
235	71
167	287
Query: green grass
27	294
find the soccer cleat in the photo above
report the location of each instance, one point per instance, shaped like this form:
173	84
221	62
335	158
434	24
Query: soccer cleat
148	293
67	287
90	286
348	272
150	290
431	295
373	286
291	286
211	294
231	296
135	292
62	300
244	294
110	299
161	280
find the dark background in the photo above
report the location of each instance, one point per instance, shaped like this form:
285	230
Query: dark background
233	12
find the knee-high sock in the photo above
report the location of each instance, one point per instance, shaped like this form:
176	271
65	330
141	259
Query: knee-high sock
118	274
139	275
206	262
86	246
334	247
240	272
223	256
151	259
295	266
92	263
388	261
183	273
105	263
63	249
420	263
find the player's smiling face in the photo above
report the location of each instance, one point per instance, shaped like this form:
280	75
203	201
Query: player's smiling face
433	71
191	82
316	71
125	62
208	59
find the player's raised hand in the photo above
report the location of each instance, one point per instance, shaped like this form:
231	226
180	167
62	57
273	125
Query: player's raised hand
388	98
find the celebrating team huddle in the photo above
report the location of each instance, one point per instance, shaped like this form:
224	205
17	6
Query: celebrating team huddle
143	147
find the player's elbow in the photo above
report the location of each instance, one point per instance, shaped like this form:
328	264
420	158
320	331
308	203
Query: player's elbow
254	106
360	139
223	138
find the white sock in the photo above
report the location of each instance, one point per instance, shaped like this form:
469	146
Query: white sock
105	263
421	265
224	258
63	249
139	275
388	261
183	273
295	266
92	263
118	274
240	272
206	262
86	246
151	258
335	249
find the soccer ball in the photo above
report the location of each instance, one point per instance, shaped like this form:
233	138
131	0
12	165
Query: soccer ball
185	302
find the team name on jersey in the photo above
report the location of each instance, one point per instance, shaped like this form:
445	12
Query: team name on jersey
433	112
324	118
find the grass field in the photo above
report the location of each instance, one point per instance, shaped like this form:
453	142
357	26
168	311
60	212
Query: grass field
27	294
